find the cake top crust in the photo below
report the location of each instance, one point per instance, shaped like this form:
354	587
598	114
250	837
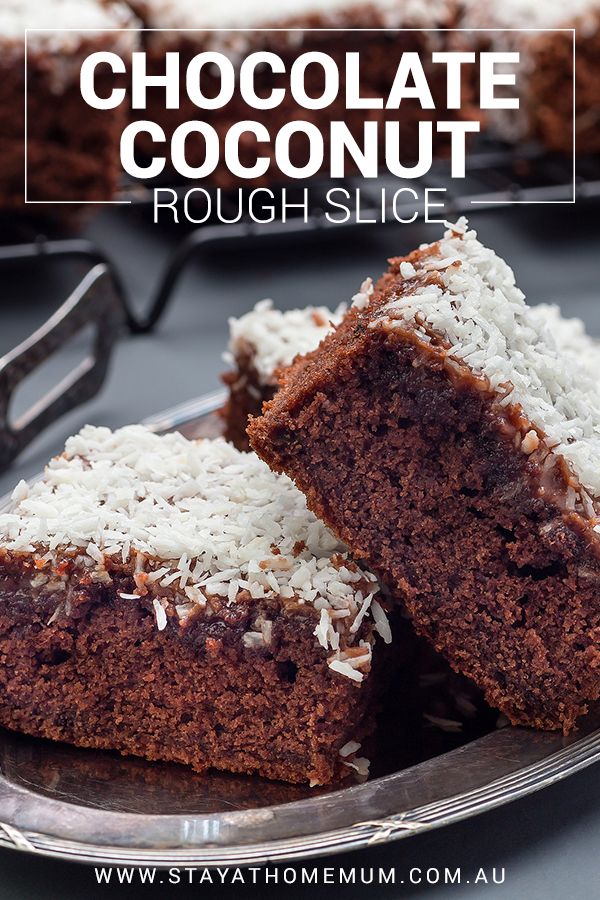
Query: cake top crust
254	13
273	338
461	295
197	519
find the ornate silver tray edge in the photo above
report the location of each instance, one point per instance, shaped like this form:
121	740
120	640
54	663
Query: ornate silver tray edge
361	834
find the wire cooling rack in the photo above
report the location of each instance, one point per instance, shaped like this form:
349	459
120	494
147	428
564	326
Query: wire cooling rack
496	176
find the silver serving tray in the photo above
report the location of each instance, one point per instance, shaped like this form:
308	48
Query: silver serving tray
99	807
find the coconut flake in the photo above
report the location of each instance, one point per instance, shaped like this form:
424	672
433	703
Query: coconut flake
407	270
344	668
253	640
360	764
349	748
161	616
382	625
21	492
450	725
362	299
321	632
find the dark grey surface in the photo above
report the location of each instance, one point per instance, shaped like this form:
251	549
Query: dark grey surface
549	842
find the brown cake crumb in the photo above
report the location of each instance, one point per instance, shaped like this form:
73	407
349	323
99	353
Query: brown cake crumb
72	149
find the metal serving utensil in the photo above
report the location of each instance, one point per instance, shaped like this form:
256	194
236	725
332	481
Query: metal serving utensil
93	302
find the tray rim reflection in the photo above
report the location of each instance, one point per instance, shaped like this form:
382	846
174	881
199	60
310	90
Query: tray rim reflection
485	773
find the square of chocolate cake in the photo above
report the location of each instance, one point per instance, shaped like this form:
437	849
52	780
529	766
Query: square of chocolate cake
454	446
176	600
261	342
72	149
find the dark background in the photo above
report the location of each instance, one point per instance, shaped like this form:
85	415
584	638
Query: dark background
549	843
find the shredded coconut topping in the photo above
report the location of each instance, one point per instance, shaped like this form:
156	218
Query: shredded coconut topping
485	324
200	519
273	338
570	335
526	13
252	13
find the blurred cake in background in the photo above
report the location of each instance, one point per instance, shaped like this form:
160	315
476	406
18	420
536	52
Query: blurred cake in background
261	342
72	150
547	56
242	27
